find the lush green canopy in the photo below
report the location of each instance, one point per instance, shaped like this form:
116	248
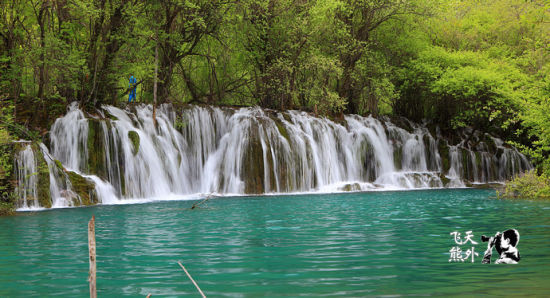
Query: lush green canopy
469	63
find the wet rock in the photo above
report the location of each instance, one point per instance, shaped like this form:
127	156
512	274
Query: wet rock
134	138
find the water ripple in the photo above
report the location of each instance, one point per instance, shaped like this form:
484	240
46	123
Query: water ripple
360	244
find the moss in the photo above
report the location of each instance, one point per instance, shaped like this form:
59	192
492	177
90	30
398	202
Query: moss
398	158
58	164
282	129
253	168
96	149
43	181
134	138
84	188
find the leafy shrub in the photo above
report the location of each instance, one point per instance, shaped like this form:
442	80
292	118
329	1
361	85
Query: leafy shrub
527	186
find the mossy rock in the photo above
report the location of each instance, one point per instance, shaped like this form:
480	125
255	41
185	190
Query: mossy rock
112	117
466	166
282	129
351	187
430	157
134	139
287	117
444	180
478	164
368	160
43	181
398	157
84	188
269	167
253	167
96	149
58	164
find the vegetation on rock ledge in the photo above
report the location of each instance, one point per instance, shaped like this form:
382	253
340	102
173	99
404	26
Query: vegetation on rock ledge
527	186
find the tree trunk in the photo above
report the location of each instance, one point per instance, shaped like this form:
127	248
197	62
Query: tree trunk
169	55
347	89
372	100
107	85
93	59
42	13
190	85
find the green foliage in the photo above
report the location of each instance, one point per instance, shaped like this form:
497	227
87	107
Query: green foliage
527	186
317	74
470	63
536	117
6	164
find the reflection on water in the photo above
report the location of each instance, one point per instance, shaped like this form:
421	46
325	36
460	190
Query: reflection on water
392	243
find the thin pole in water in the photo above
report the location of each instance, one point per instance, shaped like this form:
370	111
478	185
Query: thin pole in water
189	275
91	248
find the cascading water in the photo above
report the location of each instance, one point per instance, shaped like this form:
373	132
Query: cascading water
61	189
126	154
26	169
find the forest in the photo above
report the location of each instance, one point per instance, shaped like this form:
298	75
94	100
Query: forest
454	64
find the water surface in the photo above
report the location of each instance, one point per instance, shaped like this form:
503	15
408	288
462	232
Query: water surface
357	244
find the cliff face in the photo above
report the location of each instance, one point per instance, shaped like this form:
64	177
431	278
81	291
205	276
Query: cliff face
123	154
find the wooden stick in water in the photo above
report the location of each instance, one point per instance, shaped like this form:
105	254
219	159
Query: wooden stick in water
200	203
189	275
91	248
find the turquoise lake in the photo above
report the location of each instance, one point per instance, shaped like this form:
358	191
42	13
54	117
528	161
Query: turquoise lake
352	245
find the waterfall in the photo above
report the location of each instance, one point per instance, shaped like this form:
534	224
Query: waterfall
69	136
26	169
125	154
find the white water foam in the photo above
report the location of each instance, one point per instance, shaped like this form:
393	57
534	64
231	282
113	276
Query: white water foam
229	152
